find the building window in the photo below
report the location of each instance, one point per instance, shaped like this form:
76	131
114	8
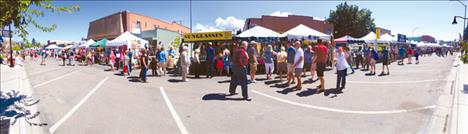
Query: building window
145	24
137	28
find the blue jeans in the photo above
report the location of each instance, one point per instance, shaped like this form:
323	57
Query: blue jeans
341	79
129	66
143	74
239	77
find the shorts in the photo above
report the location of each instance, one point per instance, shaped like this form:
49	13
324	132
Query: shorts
372	61
252	68
288	66
307	65
385	61
320	68
298	72
282	67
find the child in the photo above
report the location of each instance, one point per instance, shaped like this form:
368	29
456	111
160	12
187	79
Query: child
219	64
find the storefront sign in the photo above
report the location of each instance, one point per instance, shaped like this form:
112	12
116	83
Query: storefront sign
401	38
208	36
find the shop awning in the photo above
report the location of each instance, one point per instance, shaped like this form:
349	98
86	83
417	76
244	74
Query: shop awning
102	43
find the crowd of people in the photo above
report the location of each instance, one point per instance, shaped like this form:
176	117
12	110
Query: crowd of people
293	59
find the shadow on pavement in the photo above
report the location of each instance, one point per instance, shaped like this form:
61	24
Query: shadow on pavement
307	92
465	88
219	96
284	85
287	90
260	79
272	82
224	81
309	81
118	74
333	91
174	80
134	79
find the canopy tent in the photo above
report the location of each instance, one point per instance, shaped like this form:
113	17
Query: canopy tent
348	39
302	31
128	39
371	38
69	46
386	38
53	47
258	31
102	43
87	43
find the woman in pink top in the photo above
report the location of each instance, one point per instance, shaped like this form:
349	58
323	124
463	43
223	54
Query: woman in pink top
112	60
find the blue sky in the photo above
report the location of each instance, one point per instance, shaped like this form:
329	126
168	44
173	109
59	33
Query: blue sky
424	18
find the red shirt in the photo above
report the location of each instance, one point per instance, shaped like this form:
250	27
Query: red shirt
322	53
240	58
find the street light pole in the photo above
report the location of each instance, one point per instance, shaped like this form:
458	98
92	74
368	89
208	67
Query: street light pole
464	20
11	48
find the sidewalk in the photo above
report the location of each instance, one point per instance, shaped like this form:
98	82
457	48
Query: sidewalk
16	79
459	123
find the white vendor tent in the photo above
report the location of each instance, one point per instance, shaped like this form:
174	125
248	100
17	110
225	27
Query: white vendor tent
386	38
53	47
258	31
128	39
87	43
371	38
302	31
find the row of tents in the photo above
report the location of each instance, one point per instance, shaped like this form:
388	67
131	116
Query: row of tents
126	38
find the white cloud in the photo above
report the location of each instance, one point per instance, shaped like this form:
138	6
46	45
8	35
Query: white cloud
280	14
318	18
200	27
228	23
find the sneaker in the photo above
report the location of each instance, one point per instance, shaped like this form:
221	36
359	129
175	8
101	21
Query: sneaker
253	81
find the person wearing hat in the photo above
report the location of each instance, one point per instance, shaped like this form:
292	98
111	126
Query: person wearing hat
184	63
253	62
210	54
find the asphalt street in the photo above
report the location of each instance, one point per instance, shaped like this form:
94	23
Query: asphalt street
88	99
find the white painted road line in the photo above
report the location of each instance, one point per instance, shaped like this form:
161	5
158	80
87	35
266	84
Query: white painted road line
63	119
174	114
347	111
395	82
43	83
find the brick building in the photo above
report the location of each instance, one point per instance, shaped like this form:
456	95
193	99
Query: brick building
113	25
428	38
283	24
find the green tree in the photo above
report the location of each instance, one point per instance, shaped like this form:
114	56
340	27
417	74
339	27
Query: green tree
22	13
176	42
350	20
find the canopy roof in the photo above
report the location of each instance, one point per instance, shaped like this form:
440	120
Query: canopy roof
53	47
348	39
301	31
87	43
258	31
128	39
101	43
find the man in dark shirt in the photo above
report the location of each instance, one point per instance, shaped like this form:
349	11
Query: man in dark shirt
210	53
290	61
385	59
322	53
239	77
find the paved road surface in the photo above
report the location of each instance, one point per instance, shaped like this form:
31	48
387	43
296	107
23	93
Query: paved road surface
87	99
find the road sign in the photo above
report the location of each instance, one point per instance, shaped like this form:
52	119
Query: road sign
5	33
377	33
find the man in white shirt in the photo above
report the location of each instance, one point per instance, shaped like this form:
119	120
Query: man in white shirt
298	63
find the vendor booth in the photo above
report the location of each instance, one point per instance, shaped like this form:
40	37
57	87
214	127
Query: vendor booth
128	39
220	40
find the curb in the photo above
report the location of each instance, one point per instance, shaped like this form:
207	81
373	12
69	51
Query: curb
440	122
